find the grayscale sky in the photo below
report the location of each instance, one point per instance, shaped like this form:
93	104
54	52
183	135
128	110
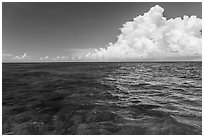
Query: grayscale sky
55	30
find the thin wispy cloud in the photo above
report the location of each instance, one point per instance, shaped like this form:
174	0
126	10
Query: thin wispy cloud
22	57
6	55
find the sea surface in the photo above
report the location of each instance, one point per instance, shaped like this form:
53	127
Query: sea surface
102	98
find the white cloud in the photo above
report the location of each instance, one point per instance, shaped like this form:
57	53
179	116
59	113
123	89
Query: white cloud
6	55
64	58
44	58
152	36
22	57
60	58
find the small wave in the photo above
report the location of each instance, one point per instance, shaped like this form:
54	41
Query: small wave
35	73
170	125
179	89
139	85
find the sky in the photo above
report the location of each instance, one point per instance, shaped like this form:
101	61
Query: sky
101	31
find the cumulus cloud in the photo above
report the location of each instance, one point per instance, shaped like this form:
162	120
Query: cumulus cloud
152	36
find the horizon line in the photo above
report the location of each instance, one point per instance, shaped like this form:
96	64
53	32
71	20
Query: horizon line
108	61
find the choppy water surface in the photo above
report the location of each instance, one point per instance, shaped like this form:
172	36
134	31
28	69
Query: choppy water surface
102	98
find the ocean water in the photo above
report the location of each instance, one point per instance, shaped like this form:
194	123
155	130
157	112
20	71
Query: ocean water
102	98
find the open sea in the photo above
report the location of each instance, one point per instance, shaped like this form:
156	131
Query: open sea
102	98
